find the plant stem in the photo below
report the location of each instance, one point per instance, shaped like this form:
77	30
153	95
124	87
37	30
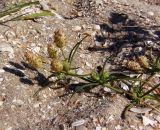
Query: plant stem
113	88
63	53
73	51
149	91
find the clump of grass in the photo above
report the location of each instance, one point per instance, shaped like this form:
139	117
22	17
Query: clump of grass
15	12
61	68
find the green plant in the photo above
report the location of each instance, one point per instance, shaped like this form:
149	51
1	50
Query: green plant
15	12
62	69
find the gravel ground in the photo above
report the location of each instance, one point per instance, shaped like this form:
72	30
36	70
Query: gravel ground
120	27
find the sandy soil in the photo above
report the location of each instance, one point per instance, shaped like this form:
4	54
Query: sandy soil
19	110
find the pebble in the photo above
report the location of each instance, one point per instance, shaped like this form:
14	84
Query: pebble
1	79
151	13
18	102
98	128
78	122
44	5
37	105
36	49
10	35
158	119
96	27
76	28
110	119
79	71
82	127
104	128
4	47
9	128
138	49
118	127
1	103
124	86
147	121
89	65
140	110
2	71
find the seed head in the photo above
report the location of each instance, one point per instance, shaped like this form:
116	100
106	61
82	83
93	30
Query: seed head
60	39
135	66
52	51
34	60
143	61
56	65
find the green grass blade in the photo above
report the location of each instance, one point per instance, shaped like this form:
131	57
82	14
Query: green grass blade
73	51
17	8
35	15
149	91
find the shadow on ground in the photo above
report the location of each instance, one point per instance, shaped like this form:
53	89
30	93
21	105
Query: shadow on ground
122	31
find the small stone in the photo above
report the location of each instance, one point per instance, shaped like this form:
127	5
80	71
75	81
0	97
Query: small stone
81	127
110	119
96	27
2	71
104	128
124	86
118	127
98	128
44	5
1	79
18	102
147	121
158	119
1	103
151	13
140	110
98	44
79	14
78	122
76	28
4	47
89	65
37	105
107	90
9	128
10	35
138	49
36	49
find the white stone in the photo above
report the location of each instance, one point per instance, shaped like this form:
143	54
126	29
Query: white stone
4	47
98	128
79	71
78	122
124	86
1	79
18	102
151	13
118	127
81	127
1	103
2	71
44	5
10	35
96	27
36	49
76	28
140	110
9	128
147	121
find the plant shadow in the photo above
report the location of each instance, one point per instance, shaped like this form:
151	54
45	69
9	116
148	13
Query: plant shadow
19	69
120	31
